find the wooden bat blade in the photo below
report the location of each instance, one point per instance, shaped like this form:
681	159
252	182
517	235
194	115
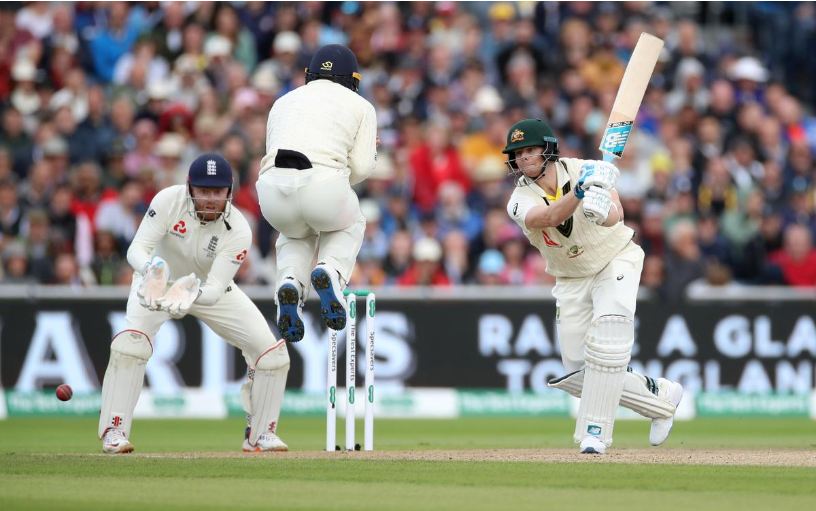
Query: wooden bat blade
630	95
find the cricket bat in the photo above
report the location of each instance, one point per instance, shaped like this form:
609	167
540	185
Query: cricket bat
630	95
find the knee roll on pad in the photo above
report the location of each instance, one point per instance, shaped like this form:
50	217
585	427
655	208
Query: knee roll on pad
273	359
609	343
132	343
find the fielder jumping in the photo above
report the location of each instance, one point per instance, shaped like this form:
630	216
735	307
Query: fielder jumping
192	234
570	211
320	140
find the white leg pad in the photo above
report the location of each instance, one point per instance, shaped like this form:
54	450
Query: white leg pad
606	354
641	394
266	390
124	378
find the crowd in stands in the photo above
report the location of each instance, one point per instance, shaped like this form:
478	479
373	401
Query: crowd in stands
104	104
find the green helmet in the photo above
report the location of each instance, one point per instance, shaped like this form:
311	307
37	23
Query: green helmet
530	133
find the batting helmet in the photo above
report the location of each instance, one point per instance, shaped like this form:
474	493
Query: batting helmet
337	63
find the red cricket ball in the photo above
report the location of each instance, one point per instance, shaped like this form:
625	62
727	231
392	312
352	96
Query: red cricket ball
64	392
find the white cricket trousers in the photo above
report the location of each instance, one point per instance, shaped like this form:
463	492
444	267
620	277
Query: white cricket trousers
311	208
580	301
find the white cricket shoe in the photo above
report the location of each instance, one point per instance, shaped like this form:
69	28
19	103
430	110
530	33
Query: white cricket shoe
114	441
673	392
267	442
592	445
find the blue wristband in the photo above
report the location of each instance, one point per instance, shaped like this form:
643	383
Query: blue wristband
579	191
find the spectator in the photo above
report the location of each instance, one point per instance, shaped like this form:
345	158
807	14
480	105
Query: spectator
120	216
115	40
426	268
797	259
684	259
490	269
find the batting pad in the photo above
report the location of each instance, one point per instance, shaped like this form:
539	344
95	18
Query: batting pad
641	394
266	390
607	352
124	378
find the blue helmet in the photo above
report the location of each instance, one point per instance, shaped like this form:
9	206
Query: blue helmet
210	170
337	63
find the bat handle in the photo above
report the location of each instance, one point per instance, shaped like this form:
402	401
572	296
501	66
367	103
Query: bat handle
608	157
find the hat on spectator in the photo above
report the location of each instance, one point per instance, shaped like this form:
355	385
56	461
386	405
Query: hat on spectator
160	89
489	168
748	68
488	100
186	64
24	71
217	46
170	145
689	67
286	42
502	11
491	262
427	249
245	98
55	146
660	162
370	210
265	81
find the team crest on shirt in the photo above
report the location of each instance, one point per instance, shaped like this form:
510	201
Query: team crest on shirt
575	251
211	246
517	135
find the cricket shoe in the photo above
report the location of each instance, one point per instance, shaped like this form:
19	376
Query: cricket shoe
326	282
673	392
290	307
114	441
267	442
592	445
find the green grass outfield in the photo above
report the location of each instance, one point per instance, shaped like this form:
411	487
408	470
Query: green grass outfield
54	464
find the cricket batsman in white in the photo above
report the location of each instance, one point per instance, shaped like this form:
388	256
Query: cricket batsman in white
569	210
321	139
191	233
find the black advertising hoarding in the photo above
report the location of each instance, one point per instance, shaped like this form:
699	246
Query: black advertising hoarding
750	347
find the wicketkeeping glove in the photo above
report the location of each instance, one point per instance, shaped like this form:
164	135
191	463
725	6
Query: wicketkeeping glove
154	283
597	202
181	295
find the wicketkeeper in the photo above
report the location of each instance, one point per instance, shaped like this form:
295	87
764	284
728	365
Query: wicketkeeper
185	255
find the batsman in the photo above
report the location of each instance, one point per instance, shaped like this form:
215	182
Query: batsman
570	211
191	233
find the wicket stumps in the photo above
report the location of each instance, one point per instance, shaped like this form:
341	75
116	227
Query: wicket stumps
351	374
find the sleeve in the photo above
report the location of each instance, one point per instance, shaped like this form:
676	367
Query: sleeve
363	155
224	267
152	229
518	207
